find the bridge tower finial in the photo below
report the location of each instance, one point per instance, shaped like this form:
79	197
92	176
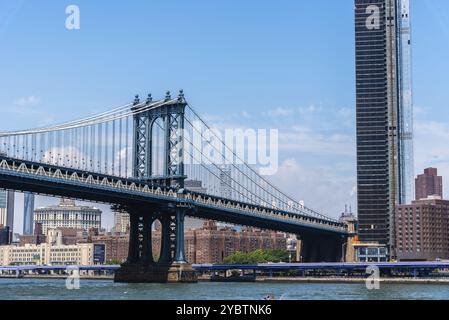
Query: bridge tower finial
136	100
149	98
167	96
181	97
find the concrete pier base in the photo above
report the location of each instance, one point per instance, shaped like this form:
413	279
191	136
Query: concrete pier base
157	273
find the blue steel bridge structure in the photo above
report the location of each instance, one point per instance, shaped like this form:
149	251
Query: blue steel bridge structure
137	158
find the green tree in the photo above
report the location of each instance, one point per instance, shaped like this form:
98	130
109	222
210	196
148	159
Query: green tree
258	256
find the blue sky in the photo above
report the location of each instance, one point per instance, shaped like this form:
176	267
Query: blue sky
261	64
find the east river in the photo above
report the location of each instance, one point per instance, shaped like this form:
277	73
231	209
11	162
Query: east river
55	289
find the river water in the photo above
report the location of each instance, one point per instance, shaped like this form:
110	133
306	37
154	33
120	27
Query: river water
55	289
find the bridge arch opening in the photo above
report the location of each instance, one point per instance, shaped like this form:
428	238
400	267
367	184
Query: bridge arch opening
158	152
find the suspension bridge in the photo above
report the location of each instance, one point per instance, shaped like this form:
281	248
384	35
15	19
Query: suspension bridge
138	158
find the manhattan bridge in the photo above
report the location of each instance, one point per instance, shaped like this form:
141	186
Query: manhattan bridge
137	158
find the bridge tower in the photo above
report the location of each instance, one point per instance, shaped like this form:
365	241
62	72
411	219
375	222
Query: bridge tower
172	265
171	112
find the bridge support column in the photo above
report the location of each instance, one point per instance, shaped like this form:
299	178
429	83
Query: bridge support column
172	265
180	253
165	240
133	252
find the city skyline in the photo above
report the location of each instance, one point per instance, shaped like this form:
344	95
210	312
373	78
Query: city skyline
324	150
224	150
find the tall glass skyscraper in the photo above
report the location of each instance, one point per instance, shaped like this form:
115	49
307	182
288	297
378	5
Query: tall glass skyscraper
28	213
406	166
384	116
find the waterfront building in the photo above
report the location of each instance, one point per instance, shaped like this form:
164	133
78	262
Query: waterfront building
116	247
429	184
68	215
52	252
384	116
28	213
370	252
423	230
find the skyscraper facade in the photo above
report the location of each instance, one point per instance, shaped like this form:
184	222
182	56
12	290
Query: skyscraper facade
28	213
7	209
384	116
406	165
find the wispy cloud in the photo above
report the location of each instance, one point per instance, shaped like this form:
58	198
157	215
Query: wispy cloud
279	112
25	106
286	112
307	141
27	101
324	188
28	107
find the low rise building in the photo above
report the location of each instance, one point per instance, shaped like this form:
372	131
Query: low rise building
116	247
47	254
370	252
52	252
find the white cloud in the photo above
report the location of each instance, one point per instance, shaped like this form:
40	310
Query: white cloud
27	101
323	188
305	140
309	110
25	106
279	112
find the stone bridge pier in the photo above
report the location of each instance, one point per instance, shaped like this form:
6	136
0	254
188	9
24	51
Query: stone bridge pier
172	266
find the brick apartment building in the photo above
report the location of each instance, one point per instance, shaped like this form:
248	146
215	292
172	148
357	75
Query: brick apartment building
422	227
422	230
211	244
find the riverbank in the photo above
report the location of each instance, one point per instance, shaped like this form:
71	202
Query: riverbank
56	277
442	281
268	280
